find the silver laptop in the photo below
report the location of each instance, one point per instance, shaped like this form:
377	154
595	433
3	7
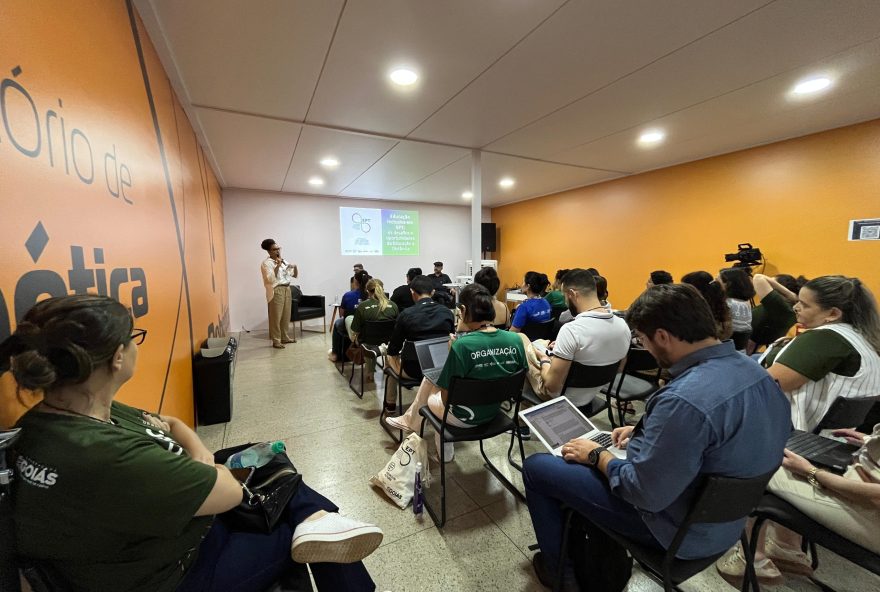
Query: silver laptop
557	421
432	354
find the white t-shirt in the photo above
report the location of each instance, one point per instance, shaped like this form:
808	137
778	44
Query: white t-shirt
593	338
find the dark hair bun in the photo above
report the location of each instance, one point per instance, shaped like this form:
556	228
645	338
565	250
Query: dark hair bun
267	244
33	371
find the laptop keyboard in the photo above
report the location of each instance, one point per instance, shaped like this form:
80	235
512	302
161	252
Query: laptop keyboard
602	439
806	444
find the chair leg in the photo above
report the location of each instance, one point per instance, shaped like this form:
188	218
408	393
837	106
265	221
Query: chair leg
431	512
504	480
749	551
608	399
383	414
360	395
563	550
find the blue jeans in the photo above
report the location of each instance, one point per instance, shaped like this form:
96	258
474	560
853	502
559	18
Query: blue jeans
340	338
551	482
249	561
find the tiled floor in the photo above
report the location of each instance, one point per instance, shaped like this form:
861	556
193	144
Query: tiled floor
296	395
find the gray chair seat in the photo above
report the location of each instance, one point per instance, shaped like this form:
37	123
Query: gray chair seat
634	388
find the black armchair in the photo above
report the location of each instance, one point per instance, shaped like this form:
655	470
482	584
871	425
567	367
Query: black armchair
308	307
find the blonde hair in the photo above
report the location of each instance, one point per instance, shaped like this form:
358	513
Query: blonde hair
376	289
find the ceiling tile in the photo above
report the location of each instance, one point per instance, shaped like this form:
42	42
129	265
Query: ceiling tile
449	43
252	152
257	57
356	153
581	48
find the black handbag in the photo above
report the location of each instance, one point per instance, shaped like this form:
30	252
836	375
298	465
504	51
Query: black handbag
267	491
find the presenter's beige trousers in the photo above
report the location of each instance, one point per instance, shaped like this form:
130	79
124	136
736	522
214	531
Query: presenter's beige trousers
279	314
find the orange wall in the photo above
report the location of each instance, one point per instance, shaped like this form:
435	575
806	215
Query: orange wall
92	171
793	199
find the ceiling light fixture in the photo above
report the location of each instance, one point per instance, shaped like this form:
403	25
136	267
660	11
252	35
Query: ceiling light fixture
652	137
506	182
316	181
329	162
403	76
467	195
811	85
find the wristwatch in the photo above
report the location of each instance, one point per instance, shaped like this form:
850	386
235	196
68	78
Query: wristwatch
593	456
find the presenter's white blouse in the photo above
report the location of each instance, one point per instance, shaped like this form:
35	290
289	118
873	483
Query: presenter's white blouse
271	280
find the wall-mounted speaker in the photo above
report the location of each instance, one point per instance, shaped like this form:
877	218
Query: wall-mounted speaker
488	242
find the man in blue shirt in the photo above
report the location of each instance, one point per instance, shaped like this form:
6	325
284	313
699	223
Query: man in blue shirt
721	414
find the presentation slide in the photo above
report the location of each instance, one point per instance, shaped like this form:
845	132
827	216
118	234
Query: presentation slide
371	231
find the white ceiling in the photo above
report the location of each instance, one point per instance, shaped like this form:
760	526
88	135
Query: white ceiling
555	92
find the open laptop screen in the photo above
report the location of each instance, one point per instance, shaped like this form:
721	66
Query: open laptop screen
558	422
439	352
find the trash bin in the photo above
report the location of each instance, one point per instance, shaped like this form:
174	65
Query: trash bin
213	369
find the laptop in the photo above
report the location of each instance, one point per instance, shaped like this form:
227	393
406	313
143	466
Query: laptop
827	453
557	421
432	354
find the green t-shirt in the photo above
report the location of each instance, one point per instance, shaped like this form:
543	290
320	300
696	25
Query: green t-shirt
555	298
772	318
816	353
111	507
368	310
483	356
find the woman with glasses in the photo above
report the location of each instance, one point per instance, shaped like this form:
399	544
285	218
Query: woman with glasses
114	498
278	276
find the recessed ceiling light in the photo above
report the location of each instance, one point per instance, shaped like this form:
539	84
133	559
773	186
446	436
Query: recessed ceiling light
506	182
329	162
316	181
652	137
811	85
467	194
403	76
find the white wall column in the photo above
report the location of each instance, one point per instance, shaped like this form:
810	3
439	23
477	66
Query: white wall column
476	208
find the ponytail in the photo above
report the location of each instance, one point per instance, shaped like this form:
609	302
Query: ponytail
854	300
376	289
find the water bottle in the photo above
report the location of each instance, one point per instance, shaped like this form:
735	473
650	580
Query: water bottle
255	456
418	500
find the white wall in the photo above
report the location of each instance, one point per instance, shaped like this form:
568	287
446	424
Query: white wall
307	228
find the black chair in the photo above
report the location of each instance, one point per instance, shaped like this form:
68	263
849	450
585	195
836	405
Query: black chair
741	339
781	512
308	307
538	330
407	354
718	499
465	391
579	376
373	334
556	311
846	413
639	379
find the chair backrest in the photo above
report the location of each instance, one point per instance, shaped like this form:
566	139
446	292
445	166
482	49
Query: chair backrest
408	352
639	359
741	339
469	391
556	311
721	499
8	568
538	330
583	376
846	413
376	332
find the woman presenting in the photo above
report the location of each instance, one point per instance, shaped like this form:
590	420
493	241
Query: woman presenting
277	276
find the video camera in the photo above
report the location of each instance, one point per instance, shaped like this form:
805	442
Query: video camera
746	256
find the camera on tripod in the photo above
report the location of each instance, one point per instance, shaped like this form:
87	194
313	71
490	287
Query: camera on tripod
746	256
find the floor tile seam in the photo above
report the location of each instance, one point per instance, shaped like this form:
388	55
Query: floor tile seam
501	528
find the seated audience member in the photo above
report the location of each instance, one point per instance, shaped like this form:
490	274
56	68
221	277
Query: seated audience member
721	414
349	303
488	278
713	292
738	287
659	278
602	291
774	316
594	337
125	499
534	309
847	504
402	296
554	296
836	355
423	320
376	307
438	278
357	267
483	353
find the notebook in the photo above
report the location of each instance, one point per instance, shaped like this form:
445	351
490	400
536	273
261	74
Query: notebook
557	421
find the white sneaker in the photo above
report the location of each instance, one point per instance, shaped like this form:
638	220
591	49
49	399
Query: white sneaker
397	423
334	539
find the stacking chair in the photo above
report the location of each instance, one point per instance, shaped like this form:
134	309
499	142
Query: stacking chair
636	382
741	339
781	512
718	499
579	376
373	334
407	353
465	391
539	330
556	311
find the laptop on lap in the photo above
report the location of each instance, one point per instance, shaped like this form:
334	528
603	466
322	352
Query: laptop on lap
557	421
432	354
825	452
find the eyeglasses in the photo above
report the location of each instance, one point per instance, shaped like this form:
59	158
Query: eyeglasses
138	336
